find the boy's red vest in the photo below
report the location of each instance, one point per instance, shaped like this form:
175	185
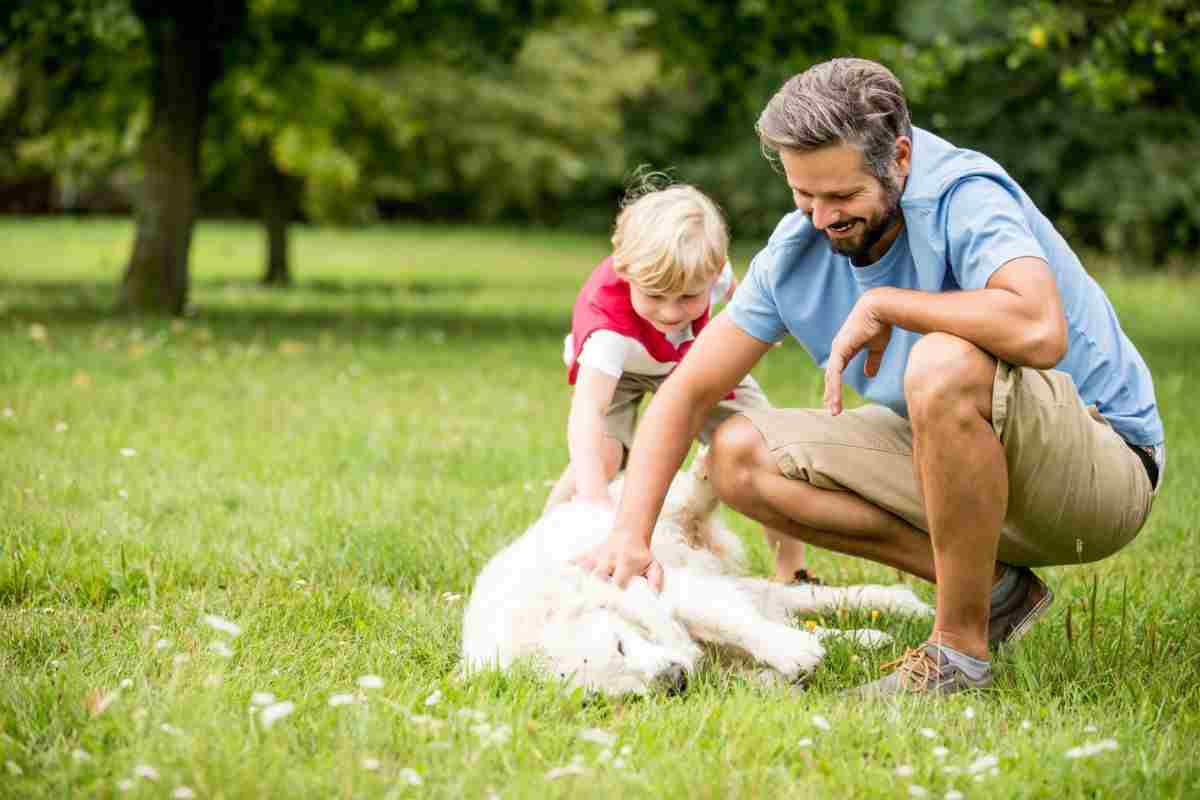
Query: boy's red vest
604	305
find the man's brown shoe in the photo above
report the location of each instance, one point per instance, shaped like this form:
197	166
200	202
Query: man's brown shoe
1013	616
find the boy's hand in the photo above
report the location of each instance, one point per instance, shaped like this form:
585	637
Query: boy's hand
620	558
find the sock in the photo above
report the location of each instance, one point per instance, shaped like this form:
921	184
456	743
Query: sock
1005	586
973	667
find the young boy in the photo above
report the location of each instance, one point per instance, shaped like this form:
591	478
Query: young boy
633	321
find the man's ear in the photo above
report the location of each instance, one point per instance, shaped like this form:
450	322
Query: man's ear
902	164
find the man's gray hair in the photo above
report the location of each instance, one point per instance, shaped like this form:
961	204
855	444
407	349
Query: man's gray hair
847	100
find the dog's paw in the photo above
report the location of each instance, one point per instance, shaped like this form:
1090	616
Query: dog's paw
794	656
897	599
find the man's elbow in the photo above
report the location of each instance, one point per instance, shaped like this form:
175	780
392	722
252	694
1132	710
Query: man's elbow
1047	344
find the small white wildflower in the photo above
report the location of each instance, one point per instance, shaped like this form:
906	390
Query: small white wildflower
1091	729
262	699
370	682
451	597
183	793
917	791
170	729
370	764
8	412
928	733
128	452
821	722
162	644
434	698
410	776
221	649
221	624
570	769
14	768
124	495
598	736
79	754
124	785
626	750
605	756
1092	748
805	742
1026	724
904	771
940	752
275	712
60	427
342	699
619	763
145	771
56	664
954	794
969	712
125	683
983	763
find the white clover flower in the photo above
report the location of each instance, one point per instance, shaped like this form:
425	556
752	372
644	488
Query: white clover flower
434	698
1026	724
410	776
8	412
183	793
917	791
969	712
370	682
275	712
904	771
598	736
13	768
60	427
342	699
563	772
940	752
262	699
1091	729
79	754
370	764
954	794
162	644
125	683
221	624
221	649
983	763
805	742
128	452
821	722
124	785
1093	748
928	733
145	771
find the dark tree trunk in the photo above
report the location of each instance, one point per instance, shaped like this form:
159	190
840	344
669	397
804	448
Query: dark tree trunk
278	206
185	43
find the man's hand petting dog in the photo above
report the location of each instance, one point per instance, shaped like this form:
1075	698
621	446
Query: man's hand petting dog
620	558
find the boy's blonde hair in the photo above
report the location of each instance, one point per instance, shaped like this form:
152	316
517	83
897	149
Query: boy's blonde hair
669	239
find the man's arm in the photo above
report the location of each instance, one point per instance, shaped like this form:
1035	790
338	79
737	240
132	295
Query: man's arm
1018	317
722	355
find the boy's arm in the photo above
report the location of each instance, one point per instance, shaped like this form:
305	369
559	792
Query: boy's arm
586	430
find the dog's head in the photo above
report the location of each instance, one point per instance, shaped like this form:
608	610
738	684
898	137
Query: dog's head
616	642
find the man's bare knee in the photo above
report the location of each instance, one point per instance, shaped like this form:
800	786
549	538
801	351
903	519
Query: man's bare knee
947	377
737	450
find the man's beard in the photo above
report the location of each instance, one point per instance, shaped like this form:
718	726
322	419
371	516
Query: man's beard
874	229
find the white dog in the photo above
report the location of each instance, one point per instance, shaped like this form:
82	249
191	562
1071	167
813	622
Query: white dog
530	602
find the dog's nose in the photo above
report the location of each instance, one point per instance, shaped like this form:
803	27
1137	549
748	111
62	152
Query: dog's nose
675	679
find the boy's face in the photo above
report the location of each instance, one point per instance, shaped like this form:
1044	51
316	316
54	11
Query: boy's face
669	312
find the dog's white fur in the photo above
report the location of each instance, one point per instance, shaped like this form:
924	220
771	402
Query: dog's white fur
530	602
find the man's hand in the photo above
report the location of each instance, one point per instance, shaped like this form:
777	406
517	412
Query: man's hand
862	330
620	558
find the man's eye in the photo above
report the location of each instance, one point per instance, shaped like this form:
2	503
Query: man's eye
620	647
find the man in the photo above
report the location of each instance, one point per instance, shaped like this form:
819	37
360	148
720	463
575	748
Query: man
1012	423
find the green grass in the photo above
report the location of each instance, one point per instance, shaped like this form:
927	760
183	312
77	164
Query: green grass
330	466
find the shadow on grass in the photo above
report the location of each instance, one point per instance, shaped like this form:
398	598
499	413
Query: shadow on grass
305	310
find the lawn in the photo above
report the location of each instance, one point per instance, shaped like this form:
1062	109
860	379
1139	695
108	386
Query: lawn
326	468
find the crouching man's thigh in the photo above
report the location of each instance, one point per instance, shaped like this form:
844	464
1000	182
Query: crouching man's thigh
867	451
1077	492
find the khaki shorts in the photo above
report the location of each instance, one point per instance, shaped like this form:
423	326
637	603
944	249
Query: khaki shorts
623	410
1077	492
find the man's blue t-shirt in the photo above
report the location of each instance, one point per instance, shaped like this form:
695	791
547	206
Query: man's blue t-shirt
974	224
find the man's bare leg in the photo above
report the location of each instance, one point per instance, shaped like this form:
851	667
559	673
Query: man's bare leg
789	552
963	478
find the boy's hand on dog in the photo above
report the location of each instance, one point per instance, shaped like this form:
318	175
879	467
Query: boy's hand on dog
620	559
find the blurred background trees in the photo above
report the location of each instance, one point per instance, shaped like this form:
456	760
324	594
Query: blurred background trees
535	111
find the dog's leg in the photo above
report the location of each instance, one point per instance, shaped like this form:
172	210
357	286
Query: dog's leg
715	609
779	601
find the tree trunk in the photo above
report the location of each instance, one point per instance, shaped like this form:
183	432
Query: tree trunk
278	207
186	54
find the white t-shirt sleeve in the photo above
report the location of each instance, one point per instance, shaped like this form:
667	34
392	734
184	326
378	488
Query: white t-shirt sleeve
720	289
606	351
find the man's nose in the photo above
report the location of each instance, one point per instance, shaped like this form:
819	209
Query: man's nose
822	215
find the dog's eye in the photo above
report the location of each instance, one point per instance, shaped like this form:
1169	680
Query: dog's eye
620	647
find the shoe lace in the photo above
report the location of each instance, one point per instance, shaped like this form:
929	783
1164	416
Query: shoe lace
918	668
